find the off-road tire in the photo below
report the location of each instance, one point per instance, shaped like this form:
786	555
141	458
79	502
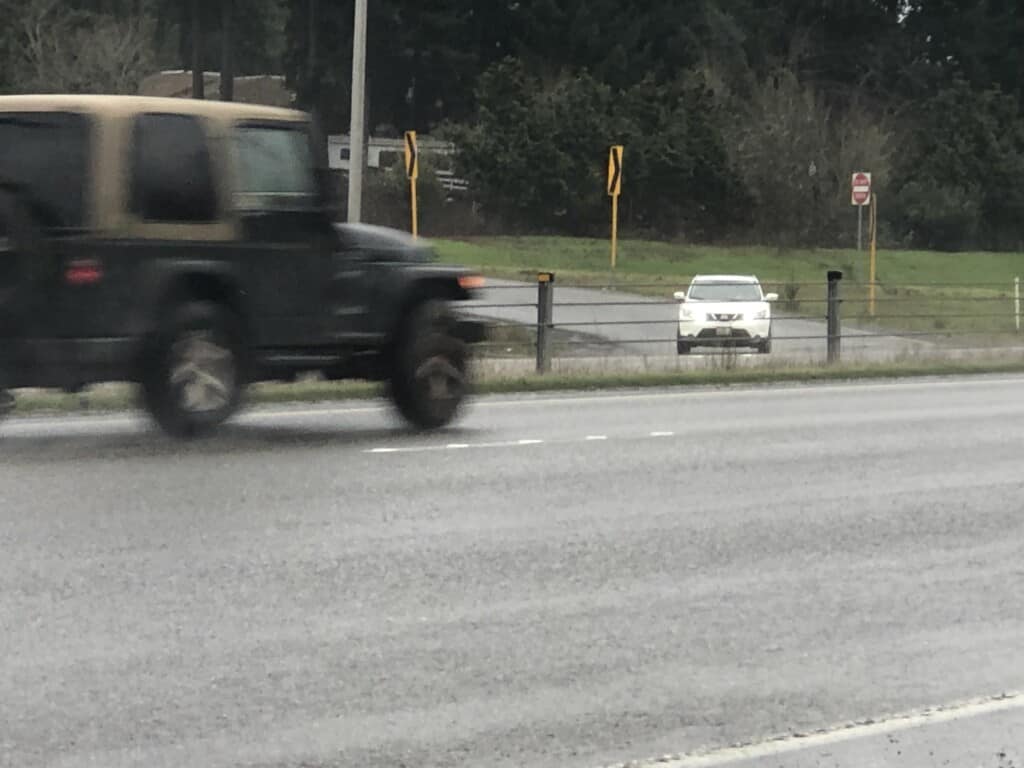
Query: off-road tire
167	396
427	352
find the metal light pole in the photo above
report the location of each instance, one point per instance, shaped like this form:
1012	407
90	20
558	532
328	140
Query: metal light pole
198	75
356	129
227	61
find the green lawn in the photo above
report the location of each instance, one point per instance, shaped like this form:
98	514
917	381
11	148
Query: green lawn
953	295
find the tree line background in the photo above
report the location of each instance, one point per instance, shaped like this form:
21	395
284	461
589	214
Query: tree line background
742	119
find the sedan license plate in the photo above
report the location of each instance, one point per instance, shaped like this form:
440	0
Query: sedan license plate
723	331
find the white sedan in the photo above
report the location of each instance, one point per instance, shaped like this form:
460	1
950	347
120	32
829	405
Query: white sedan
724	310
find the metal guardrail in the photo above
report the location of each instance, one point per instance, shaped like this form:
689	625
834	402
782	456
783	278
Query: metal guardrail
886	315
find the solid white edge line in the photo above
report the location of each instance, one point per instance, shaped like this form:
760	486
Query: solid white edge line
836	735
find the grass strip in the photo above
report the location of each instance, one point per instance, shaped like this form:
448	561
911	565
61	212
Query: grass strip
117	398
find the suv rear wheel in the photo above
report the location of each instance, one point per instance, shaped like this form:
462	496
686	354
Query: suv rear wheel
193	377
430	376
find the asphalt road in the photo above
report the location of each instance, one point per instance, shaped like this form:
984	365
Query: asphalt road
629	324
561	581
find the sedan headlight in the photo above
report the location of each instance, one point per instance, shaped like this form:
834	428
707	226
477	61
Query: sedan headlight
762	315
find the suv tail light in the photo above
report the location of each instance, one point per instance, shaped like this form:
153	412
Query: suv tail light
83	272
471	282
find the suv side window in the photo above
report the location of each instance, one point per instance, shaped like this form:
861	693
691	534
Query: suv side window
47	154
275	168
171	177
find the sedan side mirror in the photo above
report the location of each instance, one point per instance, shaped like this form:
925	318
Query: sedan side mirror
680	295
771	297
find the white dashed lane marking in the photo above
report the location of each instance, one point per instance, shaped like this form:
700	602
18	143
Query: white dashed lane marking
523	442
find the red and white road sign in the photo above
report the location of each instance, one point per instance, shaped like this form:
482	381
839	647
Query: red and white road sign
861	188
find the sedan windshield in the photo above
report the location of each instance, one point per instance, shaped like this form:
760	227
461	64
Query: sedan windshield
724	291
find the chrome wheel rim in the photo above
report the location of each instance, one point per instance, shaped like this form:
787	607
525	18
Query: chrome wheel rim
202	373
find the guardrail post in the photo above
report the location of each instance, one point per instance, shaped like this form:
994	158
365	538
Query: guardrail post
545	311
1016	303
834	331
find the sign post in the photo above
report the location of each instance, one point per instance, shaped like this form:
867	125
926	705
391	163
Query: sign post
412	171
860	196
614	189
873	234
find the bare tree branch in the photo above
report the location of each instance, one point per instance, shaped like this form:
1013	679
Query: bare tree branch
66	51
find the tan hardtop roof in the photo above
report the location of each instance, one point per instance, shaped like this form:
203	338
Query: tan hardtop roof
129	105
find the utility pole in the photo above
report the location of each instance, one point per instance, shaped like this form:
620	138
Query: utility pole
198	84
311	53
357	125
227	65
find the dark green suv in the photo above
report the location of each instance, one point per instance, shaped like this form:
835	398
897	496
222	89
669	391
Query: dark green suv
188	246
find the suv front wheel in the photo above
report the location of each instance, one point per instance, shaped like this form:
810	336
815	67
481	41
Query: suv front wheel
193	377
430	377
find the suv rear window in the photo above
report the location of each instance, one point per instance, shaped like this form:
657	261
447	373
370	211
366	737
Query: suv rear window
171	180
46	154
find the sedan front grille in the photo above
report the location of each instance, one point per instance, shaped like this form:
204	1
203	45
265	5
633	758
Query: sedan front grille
734	333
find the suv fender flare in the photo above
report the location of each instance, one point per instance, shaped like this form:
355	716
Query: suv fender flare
419	288
173	282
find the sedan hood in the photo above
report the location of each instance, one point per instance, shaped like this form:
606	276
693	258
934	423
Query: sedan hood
745	308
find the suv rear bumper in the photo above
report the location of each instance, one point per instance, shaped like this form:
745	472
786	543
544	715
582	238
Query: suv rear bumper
68	363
